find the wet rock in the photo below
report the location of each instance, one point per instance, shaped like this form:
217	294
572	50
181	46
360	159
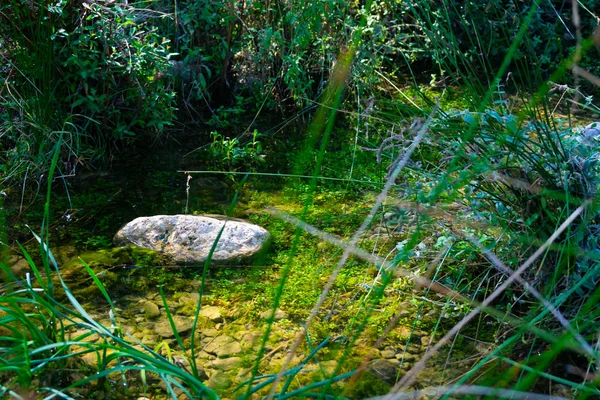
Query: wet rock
62	254
97	258
244	374
411	348
415	349
188	305
403	332
187	297
279	314
225	364
209	332
425	340
187	239
388	354
204	355
189	302
202	375
19	266
150	340
407	357
127	329
223	346
250	340
219	381
151	310
212	313
182	325
172	305
384	370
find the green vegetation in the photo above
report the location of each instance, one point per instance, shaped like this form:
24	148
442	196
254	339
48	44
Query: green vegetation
429	174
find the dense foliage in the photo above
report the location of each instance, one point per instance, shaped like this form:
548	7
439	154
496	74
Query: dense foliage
108	72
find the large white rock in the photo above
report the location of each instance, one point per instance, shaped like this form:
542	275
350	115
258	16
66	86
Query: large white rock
189	238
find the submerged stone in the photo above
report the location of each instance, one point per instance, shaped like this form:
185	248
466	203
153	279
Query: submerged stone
182	326
223	346
251	340
219	381
212	313
279	314
225	364
388	354
384	370
188	239
151	310
209	332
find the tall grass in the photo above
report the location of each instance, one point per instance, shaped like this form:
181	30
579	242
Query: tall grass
40	335
534	178
524	173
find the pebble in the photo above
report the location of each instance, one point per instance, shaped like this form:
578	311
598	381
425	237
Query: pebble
279	314
212	313
223	346
151	310
388	354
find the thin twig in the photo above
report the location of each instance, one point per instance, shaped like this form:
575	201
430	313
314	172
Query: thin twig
506	270
586	75
577	56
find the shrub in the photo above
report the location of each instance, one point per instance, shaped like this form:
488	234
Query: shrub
89	71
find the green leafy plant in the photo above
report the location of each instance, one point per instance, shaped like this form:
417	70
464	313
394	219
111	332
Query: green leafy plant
91	73
230	154
227	116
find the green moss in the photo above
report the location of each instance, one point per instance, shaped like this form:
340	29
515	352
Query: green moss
140	256
368	385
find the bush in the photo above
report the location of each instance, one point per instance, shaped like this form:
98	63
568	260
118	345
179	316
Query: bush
88	71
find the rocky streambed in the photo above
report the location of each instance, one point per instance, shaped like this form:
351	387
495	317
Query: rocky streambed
227	344
229	339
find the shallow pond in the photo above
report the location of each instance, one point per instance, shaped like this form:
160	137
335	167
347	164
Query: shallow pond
234	306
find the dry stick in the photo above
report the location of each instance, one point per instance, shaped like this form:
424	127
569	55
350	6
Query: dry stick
347	252
585	74
577	57
23	190
506	270
411	375
439	391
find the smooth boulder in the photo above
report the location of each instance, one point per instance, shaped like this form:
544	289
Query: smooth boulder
189	238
